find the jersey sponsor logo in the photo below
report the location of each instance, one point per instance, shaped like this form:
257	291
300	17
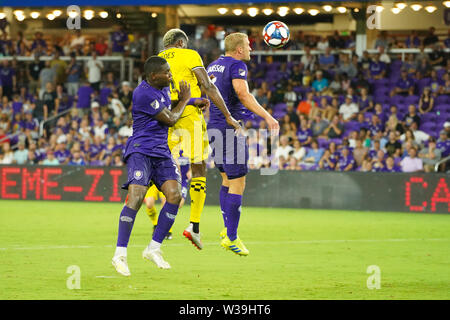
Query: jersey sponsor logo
126	219
155	104
138	174
163	100
242	72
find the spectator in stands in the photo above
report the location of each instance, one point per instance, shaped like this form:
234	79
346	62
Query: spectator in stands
320	84
345	66
346	162
50	101
83	97
384	57
20	156
47	75
116	105
77	43
101	46
299	151
393	125
430	155
50	160
119	39
382	40
60	67
437	57
412	40
94	68
378	162
314	154
262	99
359	152
411	117
365	101
73	71
327	61
296	75
305	106
375	125
328	161
420	137
308	60
431	38
77	160
336	41
377	68
38	45
290	96
127	129
335	84
411	163
8	154
8	79
283	149
126	95
348	109
404	86
435	83
335	129
33	72
390	166
426	101
136	47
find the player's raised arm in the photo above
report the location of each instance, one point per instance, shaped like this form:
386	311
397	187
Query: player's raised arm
214	94
248	100
170	117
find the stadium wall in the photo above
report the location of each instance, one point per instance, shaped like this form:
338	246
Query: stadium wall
399	192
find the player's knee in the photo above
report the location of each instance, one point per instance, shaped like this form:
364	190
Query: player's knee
174	196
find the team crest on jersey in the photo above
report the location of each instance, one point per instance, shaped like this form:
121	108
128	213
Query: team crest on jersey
155	104
241	72
138	174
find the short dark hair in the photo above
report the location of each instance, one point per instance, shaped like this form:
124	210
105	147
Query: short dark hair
153	64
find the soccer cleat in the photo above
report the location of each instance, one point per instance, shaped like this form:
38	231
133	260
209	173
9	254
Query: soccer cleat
169	236
223	233
121	265
193	237
236	246
155	257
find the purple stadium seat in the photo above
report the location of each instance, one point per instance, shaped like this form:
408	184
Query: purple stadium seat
323	143
428	126
442	108
412	100
428	117
398	99
442	99
337	141
279	114
280	107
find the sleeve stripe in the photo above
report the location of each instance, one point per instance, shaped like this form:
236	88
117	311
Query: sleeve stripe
197	67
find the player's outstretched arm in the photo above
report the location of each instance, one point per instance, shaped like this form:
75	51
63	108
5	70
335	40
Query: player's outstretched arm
248	100
214	94
170	117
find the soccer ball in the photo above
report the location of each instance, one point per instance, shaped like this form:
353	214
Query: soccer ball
276	34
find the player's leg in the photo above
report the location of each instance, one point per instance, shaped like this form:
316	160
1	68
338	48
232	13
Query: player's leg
139	173
150	198
168	180
135	196
223	193
163	202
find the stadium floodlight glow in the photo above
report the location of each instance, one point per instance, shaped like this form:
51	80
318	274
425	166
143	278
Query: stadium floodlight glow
103	14
2	15
118	15
267	11
356	9
51	16
88	14
416	7
72	14
379	8
57	13
313	12
252	11
341	9
446	3
430	9
396	10
282	11
327	8
35	14
238	11
20	17
154	15
222	10
299	10
401	5
18	12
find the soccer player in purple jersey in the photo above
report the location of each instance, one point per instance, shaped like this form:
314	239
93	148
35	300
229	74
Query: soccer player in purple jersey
230	148
148	158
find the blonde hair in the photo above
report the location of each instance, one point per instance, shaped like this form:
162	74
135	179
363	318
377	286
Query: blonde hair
172	36
234	40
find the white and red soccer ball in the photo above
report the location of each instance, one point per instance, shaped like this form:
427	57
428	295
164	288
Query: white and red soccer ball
275	34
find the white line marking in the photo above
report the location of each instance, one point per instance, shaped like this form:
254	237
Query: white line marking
53	247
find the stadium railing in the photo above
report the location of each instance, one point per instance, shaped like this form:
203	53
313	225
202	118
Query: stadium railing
43	122
290	53
437	165
122	60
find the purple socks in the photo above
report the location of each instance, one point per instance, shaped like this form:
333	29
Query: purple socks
223	205
165	221
233	213
126	223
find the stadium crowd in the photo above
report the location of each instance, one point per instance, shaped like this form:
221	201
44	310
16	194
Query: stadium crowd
337	111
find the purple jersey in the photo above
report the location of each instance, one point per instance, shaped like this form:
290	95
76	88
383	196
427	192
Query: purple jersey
62	155
84	97
343	162
303	135
393	169
225	69
149	136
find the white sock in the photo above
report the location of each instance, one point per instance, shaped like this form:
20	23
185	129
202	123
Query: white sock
120	252
154	245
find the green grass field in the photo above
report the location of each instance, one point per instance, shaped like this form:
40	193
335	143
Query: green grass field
294	254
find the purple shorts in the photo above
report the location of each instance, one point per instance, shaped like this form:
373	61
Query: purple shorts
143	169
230	152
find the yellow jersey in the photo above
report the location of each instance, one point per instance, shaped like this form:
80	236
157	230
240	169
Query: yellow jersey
182	62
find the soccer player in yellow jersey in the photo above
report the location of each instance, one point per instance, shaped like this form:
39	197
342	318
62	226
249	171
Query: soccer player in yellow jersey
189	133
